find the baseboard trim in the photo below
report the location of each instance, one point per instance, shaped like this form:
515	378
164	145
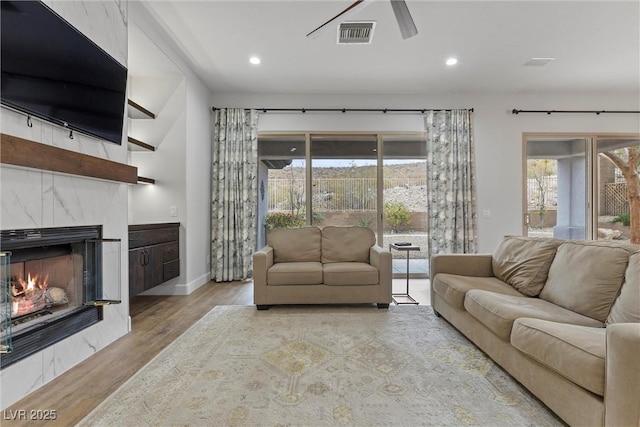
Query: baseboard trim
180	288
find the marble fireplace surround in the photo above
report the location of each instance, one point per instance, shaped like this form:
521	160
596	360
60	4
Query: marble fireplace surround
39	197
44	185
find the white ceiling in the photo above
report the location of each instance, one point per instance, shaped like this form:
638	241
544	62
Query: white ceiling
596	45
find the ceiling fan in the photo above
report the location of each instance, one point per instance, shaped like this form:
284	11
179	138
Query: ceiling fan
400	10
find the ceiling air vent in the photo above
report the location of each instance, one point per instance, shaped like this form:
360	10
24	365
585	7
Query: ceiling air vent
356	32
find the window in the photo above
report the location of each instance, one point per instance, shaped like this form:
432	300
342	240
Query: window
575	186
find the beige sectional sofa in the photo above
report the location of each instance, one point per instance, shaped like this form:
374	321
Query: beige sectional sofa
562	317
332	265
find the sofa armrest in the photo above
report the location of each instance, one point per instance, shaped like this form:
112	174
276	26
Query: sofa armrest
262	261
475	265
622	375
381	259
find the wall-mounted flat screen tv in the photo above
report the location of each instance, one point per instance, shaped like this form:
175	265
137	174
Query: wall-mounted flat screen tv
52	71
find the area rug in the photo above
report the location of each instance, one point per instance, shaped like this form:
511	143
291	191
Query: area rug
321	366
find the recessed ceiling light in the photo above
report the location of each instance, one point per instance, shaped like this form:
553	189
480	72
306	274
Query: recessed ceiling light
254	60
451	61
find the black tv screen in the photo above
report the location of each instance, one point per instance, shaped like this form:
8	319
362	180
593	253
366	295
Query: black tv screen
52	71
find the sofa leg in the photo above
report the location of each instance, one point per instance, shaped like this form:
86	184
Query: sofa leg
436	313
263	307
383	305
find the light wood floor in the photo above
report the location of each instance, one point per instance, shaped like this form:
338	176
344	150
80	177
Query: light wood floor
156	322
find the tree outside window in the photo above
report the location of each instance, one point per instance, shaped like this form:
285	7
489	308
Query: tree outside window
627	159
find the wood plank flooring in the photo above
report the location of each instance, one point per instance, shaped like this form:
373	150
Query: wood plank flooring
156	322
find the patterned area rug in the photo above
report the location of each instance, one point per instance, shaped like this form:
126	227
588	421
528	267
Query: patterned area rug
321	366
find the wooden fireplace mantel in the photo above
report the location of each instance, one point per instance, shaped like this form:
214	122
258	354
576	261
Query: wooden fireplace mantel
23	152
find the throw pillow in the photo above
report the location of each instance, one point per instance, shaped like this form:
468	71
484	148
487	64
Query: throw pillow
585	276
295	244
523	262
346	244
626	308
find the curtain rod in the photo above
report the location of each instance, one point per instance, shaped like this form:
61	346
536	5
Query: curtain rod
349	110
598	112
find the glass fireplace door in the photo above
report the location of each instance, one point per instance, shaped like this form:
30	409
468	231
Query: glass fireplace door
5	303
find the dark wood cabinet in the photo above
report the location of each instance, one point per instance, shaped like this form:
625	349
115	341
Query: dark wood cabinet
154	255
136	271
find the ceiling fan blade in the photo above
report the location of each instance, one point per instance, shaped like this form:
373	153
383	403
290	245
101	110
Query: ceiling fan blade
403	16
347	10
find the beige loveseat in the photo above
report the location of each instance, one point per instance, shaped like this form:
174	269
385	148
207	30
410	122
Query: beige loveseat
331	265
562	317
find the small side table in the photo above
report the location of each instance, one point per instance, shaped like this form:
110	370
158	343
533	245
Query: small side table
404	298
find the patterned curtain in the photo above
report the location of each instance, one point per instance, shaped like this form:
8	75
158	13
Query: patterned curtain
451	182
234	193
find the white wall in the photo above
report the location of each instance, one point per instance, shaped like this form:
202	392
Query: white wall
198	190
498	133
180	165
167	165
34	198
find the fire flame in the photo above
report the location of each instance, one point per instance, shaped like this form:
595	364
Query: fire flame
31	283
28	295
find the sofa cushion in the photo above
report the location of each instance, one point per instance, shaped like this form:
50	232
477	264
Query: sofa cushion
523	262
585	277
346	244
575	352
294	273
626	308
349	273
452	287
498	312
295	244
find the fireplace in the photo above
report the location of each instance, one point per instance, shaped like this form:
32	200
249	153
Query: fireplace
56	281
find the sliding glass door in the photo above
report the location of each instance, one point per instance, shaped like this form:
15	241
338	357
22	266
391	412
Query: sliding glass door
617	189
556	187
404	197
582	186
282	169
344	180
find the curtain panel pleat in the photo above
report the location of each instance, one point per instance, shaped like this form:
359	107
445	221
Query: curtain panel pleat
234	193
451	182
